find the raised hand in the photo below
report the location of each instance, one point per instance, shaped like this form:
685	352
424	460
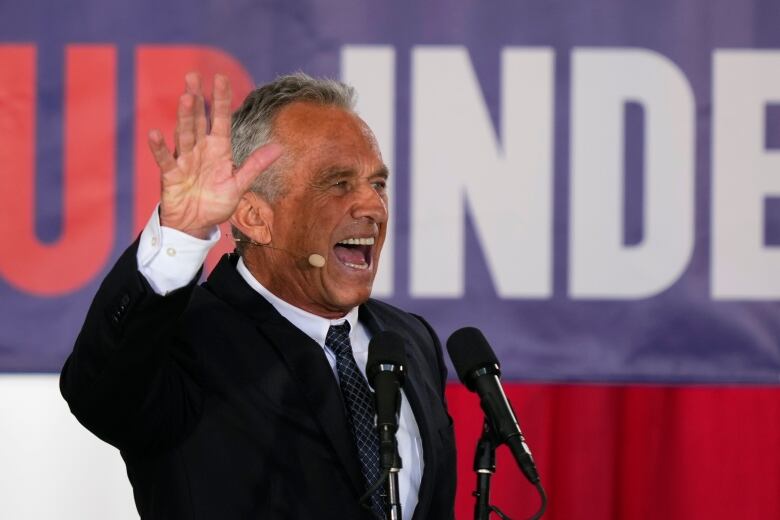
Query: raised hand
200	186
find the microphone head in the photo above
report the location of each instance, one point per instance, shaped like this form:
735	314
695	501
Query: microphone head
386	353
316	260
469	352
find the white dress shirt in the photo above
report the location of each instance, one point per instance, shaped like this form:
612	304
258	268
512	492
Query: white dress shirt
169	259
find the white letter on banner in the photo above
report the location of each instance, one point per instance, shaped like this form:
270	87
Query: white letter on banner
743	175
603	80
371	70
457	158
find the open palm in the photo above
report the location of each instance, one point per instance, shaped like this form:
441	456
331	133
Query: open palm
201	187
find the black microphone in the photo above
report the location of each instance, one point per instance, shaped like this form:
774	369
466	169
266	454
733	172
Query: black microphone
385	372
479	370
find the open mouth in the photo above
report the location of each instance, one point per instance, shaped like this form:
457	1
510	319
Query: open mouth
355	252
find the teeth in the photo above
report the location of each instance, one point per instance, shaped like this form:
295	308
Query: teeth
356	266
358	241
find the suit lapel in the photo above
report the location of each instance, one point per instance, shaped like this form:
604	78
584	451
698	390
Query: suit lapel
308	365
304	359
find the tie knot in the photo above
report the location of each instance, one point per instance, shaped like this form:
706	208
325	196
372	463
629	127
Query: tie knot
338	339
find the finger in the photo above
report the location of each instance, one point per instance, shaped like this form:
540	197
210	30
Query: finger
256	163
220	107
185	124
162	156
194	87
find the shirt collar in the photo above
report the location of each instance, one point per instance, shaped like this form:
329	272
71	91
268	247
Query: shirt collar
316	327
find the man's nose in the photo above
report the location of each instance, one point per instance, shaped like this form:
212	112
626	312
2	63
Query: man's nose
370	203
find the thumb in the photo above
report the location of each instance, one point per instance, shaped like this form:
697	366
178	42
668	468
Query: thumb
256	163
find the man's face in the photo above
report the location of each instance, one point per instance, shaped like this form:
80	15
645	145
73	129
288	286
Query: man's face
335	205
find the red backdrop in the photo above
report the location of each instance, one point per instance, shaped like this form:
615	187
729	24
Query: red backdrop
633	452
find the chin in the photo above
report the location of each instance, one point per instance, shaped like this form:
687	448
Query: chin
347	300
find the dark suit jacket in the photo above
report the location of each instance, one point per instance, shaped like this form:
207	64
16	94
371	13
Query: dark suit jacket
222	409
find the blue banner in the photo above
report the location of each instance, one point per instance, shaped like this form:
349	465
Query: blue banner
596	184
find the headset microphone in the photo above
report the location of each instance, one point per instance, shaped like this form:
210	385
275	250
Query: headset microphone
314	259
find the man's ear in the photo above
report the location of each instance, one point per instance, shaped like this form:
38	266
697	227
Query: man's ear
254	218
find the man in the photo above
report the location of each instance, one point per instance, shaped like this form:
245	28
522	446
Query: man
237	398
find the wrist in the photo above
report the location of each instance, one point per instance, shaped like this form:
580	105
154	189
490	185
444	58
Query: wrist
200	232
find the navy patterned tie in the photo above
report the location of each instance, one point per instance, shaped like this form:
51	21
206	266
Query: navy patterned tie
360	404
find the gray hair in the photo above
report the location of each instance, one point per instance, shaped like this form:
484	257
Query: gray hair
252	124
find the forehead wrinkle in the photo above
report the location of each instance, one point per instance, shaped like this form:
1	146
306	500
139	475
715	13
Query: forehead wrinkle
334	155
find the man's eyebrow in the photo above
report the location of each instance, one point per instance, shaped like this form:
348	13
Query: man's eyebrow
382	171
335	172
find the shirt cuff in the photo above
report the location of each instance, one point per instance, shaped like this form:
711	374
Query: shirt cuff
168	258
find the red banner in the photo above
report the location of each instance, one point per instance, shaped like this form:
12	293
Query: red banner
633	452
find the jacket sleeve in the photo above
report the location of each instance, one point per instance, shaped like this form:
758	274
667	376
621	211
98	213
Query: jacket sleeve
131	379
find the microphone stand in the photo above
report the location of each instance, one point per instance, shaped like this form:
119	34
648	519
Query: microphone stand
484	467
390	462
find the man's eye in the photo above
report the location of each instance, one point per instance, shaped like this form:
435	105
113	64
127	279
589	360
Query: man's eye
380	185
